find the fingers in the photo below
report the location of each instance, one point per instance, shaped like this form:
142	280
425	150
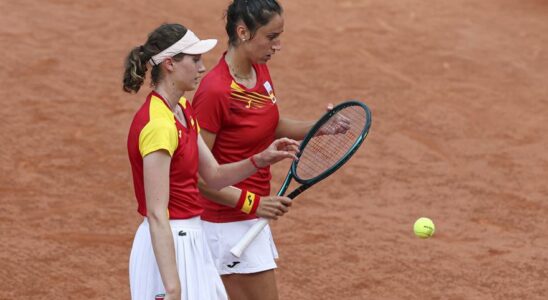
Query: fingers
282	204
279	149
289	151
338	124
286	201
286	142
267	214
285	154
277	156
273	207
344	126
286	148
344	121
291	148
291	145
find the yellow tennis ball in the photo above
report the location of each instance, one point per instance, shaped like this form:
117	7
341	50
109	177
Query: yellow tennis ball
424	228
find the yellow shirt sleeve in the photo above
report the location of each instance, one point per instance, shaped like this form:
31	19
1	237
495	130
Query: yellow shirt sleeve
158	134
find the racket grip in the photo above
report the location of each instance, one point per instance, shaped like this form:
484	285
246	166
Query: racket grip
249	237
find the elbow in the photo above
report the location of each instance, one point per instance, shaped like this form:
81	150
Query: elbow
210	183
212	176
205	186
156	216
215	186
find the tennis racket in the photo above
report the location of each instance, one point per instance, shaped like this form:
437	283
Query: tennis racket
327	147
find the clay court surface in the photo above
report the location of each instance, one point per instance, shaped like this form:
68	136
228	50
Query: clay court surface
459	96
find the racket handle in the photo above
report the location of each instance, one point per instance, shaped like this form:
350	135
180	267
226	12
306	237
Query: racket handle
249	237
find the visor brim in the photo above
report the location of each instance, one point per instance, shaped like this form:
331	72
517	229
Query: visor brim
201	47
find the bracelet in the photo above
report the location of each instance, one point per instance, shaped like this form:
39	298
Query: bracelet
254	163
248	202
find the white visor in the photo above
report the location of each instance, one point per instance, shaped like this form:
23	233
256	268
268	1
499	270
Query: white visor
188	44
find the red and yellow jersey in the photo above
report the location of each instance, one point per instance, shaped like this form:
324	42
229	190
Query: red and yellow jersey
244	121
154	128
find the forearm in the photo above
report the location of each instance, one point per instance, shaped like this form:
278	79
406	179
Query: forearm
232	173
270	207
219	176
164	251
227	196
293	129
156	167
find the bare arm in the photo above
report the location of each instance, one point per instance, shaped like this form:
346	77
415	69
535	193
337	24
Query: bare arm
218	176
156	179
293	129
270	206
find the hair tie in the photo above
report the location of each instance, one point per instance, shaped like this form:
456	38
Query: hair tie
142	55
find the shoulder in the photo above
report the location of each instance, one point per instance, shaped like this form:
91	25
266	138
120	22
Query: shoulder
215	86
152	109
159	111
217	78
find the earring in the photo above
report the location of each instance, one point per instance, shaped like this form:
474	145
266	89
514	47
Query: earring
243	39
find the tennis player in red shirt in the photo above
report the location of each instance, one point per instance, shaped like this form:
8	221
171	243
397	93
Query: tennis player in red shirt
170	255
237	108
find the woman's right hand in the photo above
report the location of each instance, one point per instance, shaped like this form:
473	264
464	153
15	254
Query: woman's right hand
280	149
272	207
171	296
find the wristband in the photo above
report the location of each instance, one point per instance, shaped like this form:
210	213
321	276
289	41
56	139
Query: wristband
255	204
254	163
248	202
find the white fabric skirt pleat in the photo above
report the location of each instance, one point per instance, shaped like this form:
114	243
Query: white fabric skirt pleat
199	277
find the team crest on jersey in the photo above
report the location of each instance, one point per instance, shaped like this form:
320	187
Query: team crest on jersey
270	91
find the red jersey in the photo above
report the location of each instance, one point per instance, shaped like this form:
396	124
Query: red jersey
154	127
244	121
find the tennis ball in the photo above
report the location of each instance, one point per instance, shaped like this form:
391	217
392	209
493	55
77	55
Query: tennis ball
424	228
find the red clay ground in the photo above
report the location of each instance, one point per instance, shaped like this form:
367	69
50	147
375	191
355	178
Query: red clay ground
460	101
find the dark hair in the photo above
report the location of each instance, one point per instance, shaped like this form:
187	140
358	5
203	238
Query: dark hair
136	61
254	14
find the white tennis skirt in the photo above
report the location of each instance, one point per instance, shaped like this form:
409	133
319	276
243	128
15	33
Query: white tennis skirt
199	277
260	256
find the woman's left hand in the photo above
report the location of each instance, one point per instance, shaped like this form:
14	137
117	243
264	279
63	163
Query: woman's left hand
336	125
280	149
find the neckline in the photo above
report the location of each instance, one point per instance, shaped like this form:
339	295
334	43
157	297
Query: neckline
172	113
227	69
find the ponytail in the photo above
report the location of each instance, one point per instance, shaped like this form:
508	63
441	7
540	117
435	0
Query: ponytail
135	70
136	61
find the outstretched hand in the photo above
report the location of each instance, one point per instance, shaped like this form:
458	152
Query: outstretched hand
280	149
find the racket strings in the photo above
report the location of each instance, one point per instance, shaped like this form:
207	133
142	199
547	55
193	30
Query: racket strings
332	142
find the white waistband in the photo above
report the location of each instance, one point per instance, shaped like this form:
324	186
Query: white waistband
192	223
